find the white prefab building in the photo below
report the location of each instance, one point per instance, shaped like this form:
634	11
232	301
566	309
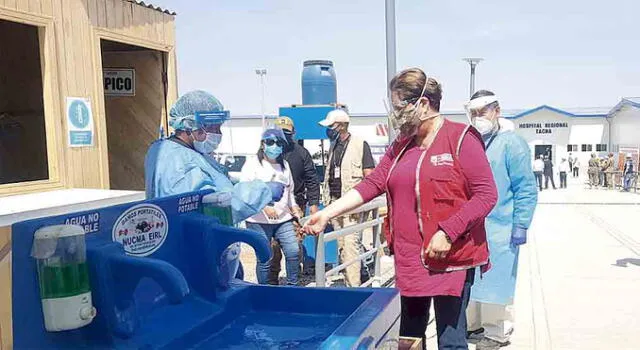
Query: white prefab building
625	124
547	130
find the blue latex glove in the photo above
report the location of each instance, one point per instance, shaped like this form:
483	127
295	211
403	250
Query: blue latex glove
277	190
518	236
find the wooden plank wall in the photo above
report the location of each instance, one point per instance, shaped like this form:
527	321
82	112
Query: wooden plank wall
133	121
78	26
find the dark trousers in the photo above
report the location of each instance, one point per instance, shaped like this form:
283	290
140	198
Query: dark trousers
563	179
451	318
538	175
628	179
548	177
575	171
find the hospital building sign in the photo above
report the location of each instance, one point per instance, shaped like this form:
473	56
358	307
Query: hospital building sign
543	128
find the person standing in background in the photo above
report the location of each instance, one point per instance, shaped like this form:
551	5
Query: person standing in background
576	166
628	173
489	315
350	161
607	168
548	173
594	170
276	219
564	169
307	189
538	168
571	161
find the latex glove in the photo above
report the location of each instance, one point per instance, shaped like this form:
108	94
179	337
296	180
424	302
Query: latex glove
518	236
316	224
439	245
277	190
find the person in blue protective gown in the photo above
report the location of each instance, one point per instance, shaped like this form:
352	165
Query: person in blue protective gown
183	163
490	312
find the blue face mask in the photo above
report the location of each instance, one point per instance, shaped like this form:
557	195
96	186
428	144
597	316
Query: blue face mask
273	151
210	143
332	134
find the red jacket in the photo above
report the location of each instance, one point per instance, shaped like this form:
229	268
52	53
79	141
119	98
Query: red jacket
441	191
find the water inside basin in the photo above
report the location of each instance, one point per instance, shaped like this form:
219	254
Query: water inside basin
274	330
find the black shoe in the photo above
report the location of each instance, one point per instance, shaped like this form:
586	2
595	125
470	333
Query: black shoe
475	335
490	344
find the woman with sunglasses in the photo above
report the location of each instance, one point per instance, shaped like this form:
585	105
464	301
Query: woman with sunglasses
276	220
439	189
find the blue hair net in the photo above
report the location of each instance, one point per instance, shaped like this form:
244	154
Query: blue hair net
182	115
274	132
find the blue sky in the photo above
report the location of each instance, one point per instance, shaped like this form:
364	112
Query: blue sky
564	53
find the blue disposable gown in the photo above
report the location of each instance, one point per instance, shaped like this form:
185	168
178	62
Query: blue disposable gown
171	168
510	160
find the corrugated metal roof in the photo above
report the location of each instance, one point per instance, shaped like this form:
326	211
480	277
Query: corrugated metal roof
152	6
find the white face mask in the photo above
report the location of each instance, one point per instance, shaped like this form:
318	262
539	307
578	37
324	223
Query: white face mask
210	143
484	125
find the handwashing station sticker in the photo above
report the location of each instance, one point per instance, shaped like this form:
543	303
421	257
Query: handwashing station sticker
142	229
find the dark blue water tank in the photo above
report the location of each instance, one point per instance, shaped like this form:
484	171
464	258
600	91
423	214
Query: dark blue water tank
318	83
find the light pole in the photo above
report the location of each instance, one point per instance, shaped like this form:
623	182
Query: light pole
390	18
262	72
473	62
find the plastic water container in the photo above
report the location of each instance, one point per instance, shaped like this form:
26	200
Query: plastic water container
319	85
218	205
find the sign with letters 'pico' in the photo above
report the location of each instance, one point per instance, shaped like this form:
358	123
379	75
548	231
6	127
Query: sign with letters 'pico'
119	82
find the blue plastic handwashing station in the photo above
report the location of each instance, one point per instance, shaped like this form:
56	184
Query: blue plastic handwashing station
155	282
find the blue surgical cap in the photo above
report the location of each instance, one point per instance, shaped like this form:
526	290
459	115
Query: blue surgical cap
274	132
182	115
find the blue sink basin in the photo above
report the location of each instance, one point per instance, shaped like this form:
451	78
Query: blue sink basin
179	296
266	317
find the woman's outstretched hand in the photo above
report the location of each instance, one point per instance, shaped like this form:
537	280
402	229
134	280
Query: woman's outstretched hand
316	223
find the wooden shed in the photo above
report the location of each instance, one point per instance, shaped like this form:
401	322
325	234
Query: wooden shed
84	90
112	61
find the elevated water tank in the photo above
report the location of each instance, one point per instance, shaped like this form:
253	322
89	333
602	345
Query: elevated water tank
318	83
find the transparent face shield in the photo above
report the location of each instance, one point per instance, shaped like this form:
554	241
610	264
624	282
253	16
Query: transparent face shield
404	115
479	107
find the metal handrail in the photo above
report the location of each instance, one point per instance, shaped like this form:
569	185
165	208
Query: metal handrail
376	223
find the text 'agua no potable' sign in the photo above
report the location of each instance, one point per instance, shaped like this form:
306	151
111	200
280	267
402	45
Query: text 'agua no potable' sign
79	122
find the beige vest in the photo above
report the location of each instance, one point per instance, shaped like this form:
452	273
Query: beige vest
350	168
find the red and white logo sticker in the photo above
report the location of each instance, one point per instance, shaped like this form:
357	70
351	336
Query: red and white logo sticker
141	230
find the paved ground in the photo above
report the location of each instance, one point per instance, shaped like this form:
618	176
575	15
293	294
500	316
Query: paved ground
579	274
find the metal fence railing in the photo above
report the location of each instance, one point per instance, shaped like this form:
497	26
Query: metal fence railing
375	223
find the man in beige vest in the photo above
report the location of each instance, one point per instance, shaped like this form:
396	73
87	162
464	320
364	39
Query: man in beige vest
350	160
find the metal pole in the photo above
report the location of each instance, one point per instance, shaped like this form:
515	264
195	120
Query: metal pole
320	272
390	17
262	73
472	83
473	63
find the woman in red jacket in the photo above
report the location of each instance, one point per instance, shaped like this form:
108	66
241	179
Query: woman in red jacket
439	189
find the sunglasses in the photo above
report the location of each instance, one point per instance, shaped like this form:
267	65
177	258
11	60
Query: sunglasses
271	142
